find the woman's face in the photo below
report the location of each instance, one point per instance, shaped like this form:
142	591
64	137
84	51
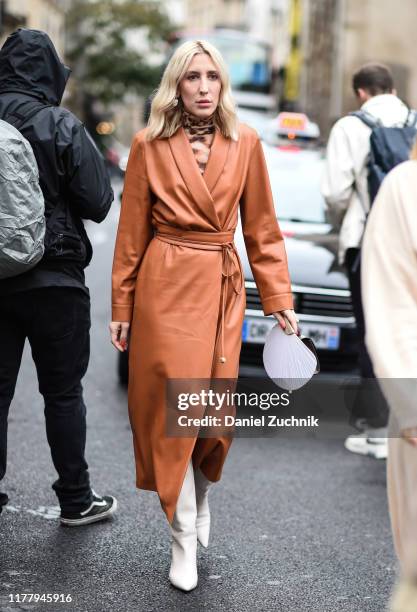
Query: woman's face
200	87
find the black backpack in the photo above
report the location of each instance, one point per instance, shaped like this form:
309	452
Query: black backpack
389	146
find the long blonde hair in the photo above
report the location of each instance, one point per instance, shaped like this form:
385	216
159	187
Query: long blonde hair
165	116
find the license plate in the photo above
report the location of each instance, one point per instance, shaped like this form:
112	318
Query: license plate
326	337
256	330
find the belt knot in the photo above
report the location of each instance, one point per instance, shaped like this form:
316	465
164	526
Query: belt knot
229	268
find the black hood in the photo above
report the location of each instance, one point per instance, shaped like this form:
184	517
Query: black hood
29	63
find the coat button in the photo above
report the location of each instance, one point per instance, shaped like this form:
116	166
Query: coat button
222	360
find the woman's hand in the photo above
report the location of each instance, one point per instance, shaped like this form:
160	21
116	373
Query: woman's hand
410	435
288	315
118	334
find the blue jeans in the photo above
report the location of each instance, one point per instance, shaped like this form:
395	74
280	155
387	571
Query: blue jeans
56	321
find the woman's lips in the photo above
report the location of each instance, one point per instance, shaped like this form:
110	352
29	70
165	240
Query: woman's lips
204	103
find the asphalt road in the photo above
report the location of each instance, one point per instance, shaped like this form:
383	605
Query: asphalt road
298	525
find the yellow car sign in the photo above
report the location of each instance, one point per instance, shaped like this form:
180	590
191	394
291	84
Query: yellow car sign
292	122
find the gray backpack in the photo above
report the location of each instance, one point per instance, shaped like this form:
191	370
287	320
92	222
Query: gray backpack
22	207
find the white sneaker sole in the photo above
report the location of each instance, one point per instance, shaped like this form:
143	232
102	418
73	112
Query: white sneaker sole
367	450
91	519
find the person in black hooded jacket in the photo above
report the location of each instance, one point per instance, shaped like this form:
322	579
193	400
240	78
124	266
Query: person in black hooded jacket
50	304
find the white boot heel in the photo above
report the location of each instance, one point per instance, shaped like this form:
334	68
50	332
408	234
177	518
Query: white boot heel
183	571
202	485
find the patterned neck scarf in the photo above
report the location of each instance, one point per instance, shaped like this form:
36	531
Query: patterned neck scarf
200	133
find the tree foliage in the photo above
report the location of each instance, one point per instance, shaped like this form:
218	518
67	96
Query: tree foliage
100	34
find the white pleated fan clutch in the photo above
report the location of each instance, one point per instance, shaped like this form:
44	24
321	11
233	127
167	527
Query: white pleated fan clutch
287	360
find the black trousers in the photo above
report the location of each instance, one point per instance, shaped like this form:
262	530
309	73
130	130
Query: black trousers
369	402
56	321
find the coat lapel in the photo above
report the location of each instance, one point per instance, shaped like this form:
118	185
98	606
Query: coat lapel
200	186
216	161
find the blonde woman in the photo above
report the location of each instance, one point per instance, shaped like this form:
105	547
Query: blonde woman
389	284
178	287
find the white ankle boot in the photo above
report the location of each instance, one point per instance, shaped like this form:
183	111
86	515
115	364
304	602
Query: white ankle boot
183	572
203	511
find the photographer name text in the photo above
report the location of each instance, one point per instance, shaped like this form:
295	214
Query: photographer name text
271	420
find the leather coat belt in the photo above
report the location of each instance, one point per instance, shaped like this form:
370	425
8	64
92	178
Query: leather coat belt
210	241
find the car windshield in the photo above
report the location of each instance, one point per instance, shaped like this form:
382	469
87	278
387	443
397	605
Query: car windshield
295	181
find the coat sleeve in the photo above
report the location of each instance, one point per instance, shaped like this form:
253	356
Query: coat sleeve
134	233
88	181
263	239
339	175
389	289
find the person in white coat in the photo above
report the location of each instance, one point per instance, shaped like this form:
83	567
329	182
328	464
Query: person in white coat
389	286
345	190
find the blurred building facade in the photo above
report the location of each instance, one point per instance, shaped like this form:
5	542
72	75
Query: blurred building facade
10	19
338	36
265	20
208	14
318	44
46	15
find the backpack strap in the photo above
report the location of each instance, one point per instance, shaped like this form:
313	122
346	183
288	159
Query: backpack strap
411	120
366	118
17	119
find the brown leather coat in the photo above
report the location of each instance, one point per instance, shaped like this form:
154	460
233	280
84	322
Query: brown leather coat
177	278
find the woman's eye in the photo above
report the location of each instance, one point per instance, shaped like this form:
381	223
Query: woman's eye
212	77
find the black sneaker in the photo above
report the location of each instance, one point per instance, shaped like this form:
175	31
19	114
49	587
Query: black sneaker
101	508
4	499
